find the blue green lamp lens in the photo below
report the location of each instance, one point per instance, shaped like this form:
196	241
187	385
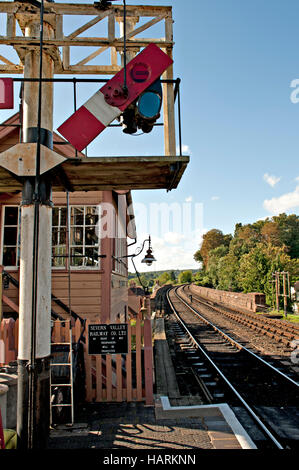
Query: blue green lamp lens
149	105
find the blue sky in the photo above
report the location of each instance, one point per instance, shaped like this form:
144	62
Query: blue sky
237	60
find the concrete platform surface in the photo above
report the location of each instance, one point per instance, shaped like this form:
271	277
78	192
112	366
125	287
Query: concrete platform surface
136	426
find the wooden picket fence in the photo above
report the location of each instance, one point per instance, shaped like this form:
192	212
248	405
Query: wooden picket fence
111	377
123	377
9	334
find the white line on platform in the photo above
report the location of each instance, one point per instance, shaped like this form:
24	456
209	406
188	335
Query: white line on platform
241	435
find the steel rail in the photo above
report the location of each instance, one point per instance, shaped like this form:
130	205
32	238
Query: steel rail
242	400
236	342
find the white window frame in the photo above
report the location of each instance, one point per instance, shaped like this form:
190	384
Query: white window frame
18	247
97	225
120	249
75	268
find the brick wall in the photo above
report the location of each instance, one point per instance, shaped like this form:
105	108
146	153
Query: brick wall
250	301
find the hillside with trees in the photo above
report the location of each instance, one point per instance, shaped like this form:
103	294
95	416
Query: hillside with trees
245	261
163	277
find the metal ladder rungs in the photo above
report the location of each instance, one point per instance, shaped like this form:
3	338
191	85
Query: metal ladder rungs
62	404
61	385
58	385
60	364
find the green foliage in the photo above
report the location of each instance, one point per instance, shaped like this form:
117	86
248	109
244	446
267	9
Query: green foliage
164	278
245	261
212	239
228	267
150	278
185	276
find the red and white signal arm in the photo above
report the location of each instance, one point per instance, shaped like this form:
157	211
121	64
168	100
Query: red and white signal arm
110	101
6	93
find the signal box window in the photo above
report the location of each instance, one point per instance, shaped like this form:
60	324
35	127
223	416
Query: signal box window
84	237
10	241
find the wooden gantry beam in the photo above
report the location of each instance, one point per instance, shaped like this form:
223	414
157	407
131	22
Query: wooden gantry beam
55	14
60	45
108	173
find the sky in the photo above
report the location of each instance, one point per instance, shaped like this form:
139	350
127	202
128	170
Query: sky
239	69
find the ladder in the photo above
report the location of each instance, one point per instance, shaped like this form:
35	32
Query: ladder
57	389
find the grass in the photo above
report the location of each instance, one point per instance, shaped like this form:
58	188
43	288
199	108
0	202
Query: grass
291	317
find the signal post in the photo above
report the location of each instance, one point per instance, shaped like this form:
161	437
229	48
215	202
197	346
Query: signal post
35	261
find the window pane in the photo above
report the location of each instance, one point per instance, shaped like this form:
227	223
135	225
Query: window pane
90	236
10	235
91	216
58	236
59	216
55	236
77	216
9	256
91	256
55	216
63	213
77	258
11	216
77	236
58	260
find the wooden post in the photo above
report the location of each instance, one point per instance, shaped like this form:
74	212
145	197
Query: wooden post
33	416
277	284
148	355
88	368
129	364
168	97
130	26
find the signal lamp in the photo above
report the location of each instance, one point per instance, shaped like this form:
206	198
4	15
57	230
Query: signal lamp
150	101
143	113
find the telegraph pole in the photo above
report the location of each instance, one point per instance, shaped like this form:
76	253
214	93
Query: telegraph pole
285	288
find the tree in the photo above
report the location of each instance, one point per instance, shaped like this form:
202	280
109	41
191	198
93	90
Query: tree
164	278
254	267
271	234
212	239
213	263
227	272
288	226
185	276
245	262
197	256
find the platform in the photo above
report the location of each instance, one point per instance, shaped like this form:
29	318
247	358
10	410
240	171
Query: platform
173	423
108	173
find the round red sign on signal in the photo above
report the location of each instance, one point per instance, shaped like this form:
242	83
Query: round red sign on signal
140	72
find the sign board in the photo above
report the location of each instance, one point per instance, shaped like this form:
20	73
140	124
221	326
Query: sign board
6	93
108	339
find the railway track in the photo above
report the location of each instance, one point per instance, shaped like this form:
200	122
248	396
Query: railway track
279	330
212	364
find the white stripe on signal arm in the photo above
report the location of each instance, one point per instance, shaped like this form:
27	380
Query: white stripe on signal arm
103	111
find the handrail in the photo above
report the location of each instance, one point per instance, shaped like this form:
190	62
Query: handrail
61	304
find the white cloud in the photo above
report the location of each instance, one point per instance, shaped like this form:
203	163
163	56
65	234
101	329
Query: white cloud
283	203
215	198
172	251
173	238
271	179
297	179
185	149
188	199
